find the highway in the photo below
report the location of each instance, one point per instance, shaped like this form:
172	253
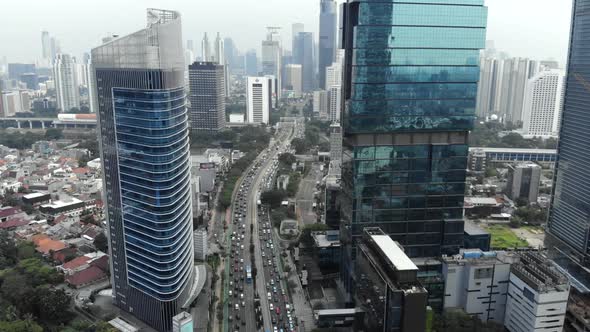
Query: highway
246	307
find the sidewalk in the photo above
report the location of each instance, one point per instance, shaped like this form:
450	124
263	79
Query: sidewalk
301	302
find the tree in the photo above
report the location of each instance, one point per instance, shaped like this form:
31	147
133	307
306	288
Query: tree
20	326
52	305
306	233
515	222
299	145
101	242
53	134
521	202
287	159
274	198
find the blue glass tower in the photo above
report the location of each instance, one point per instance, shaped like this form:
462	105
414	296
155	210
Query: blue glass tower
327	40
569	218
411	74
144	144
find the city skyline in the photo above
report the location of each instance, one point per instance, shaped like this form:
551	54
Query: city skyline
536	39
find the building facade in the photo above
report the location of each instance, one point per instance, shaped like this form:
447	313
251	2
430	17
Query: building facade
293	79
541	110
272	54
327	40
523	181
304	57
569	215
206	96
321	104
409	105
66	82
335	103
145	154
259	99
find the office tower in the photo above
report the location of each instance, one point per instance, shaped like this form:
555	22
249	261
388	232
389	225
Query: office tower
515	74
333	75
31	80
206	49
387	289
251	63
11	103
542	103
66	82
219	57
537	295
304	57
206	96
259	99
410	106
293	80
145	156
334	103
46	46
523	181
296	28
335	142
490	79
271	57
321	104
327	41
15	70
231	52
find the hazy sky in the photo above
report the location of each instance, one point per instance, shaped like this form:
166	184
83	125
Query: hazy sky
530	28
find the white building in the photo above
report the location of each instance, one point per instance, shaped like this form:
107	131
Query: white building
477	282
537	296
200	238
333	75
66	82
259	99
236	118
205	49
335	103
11	103
542	103
293	79
320	104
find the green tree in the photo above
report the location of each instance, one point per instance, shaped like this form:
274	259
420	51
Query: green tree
53	134
52	305
287	159
299	145
101	242
274	198
20	326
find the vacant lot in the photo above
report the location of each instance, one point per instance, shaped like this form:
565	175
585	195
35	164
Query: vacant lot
503	237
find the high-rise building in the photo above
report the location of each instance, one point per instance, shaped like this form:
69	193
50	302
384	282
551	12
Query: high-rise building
410	106
304	57
490	80
327	40
542	104
333	75
251	63
271	57
219	57
145	154
15	70
515	74
259	99
569	217
388	289
201	247
335	142
293	80
231	53
66	82
335	103
321	104
206	96
46	46
296	28
11	103
523	181
206	49
31	80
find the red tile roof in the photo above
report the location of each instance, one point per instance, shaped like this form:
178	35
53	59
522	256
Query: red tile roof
9	211
81	170
17	222
76	263
45	244
102	263
86	276
61	255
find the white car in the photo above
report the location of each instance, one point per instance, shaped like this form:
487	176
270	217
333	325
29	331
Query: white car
271	307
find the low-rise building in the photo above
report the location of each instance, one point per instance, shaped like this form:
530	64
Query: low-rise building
482	207
475	237
327	248
523	181
200	243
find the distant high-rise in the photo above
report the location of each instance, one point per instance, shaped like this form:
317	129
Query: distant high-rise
251	63
542	103
259	99
333	75
293	79
304	57
231	53
569	216
219	57
207	96
321	104
410	90
46	46
327	41
272	55
488	91
515	74
65	76
206	49
335	103
15	70
144	143
296	28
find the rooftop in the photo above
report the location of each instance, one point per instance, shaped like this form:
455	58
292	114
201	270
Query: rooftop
325	239
511	150
34	195
394	253
472	229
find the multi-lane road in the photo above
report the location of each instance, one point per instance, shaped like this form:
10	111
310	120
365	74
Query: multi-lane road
249	248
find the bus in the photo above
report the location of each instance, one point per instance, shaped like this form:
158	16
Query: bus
248	274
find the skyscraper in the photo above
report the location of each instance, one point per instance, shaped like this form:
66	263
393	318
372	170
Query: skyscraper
293	79
272	55
304	57
335	103
569	216
207	96
515	74
542	104
46	46
66	82
219	57
490	80
410	91
296	28
327	41
205	49
251	63
145	154
259	99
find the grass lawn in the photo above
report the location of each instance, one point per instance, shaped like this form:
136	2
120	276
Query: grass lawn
503	237
534	229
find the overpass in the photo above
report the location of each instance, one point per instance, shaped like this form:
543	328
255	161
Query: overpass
515	155
44	123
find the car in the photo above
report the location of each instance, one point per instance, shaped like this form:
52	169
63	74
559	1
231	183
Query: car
274	289
243	303
242	296
271	307
237	307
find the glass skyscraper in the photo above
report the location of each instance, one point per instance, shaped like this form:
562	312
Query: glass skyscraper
569	218
410	86
327	41
144	144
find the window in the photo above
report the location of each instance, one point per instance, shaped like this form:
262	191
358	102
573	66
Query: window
483	273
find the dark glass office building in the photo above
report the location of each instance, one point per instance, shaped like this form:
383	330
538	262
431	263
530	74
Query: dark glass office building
144	146
304	57
569	218
411	75
207	96
327	41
